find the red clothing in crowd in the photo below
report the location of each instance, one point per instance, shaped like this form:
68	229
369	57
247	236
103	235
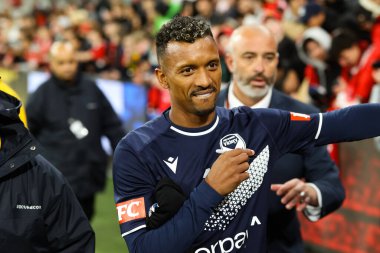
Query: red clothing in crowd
360	80
360	83
312	76
99	52
158	100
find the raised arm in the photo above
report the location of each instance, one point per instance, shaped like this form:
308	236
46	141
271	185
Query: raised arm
299	133
349	124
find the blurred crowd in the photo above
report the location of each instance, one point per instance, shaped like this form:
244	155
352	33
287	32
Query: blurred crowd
329	49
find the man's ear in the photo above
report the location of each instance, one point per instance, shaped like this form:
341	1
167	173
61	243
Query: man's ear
161	77
229	62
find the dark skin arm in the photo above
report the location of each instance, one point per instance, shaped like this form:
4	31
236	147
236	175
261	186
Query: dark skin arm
229	170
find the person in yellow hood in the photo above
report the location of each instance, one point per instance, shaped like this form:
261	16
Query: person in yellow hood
7	89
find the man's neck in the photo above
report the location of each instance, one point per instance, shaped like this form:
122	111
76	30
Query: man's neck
190	120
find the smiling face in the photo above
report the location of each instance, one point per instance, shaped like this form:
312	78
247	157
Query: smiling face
192	73
252	58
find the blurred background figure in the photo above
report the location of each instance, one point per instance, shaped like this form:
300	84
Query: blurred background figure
37	204
68	115
320	72
290	68
356	80
317	15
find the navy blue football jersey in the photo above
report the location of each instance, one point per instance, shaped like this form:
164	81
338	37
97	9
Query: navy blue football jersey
208	222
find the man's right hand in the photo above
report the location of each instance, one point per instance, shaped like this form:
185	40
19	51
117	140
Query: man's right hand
229	170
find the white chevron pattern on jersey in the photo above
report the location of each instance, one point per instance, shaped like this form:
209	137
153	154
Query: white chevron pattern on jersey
233	202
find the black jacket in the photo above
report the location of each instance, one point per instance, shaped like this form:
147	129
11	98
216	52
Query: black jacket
283	226
38	210
55	107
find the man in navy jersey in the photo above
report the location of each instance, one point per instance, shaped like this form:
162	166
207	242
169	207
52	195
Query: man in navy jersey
252	58
222	159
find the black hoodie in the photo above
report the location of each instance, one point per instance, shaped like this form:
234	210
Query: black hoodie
38	210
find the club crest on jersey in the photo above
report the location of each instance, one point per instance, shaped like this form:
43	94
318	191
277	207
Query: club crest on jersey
231	141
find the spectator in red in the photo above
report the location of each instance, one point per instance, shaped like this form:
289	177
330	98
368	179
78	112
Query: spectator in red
356	80
94	58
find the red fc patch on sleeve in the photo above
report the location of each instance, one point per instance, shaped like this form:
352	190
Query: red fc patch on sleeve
294	116
131	210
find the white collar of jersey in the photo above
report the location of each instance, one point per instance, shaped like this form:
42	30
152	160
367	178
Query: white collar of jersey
198	133
233	101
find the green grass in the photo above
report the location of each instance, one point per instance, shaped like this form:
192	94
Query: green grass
105	224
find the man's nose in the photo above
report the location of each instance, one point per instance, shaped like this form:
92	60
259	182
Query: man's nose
258	65
203	78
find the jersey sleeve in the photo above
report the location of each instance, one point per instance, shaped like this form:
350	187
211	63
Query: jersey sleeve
134	185
290	131
293	132
352	123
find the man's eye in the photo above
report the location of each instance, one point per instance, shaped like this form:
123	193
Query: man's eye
213	65
269	57
188	70
249	58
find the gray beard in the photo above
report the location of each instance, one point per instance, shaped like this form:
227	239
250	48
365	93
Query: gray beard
255	93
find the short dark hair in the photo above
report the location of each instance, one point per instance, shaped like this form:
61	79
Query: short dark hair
342	39
183	29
